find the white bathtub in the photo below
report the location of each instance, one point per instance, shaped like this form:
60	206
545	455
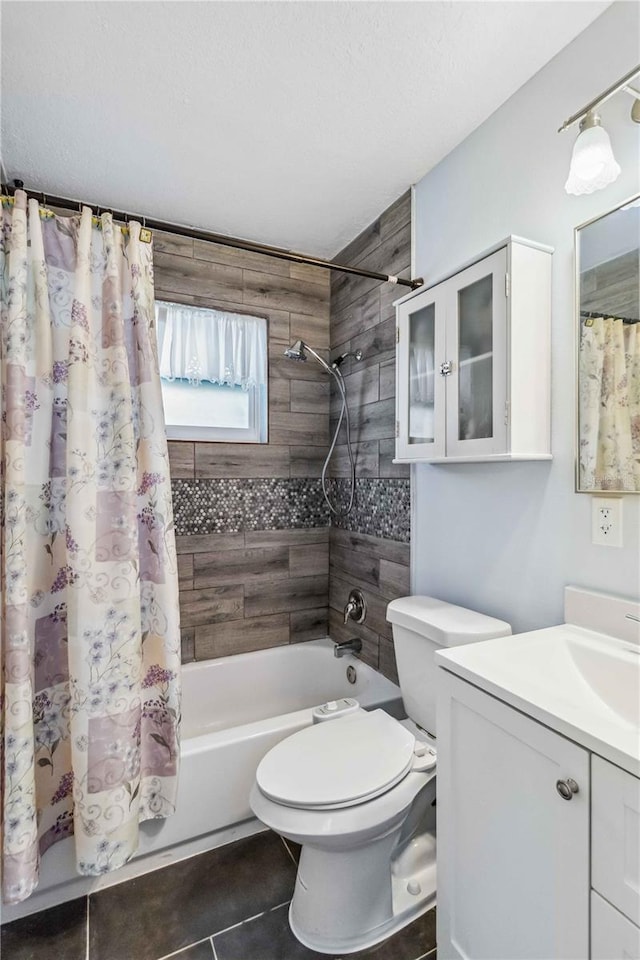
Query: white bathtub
234	710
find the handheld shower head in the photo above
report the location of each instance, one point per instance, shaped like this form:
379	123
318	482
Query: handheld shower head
296	351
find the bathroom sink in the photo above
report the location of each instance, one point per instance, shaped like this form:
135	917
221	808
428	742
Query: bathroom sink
583	682
567	665
611	669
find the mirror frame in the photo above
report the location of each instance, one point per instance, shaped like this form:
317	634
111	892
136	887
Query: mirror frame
576	320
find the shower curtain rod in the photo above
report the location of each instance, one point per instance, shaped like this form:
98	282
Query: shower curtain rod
179	230
591	315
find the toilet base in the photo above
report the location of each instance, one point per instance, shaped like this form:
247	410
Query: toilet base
337	910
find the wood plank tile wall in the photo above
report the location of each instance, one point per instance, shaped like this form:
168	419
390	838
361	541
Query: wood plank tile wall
254	589
363	317
612	287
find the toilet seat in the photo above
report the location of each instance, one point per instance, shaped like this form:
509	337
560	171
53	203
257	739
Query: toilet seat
339	763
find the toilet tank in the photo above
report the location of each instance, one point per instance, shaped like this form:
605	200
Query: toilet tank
421	625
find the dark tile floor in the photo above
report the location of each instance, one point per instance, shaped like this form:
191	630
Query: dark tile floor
228	904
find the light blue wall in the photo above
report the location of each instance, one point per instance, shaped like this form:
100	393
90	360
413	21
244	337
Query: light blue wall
506	538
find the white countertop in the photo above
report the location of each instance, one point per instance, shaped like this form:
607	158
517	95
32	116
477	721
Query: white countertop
581	683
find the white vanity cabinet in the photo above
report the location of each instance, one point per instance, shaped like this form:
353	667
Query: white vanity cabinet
513	855
615	862
538	838
473	361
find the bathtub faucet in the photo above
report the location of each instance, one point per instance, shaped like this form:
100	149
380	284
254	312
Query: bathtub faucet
347	646
355	607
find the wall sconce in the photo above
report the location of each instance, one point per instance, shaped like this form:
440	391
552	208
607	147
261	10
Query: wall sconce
593	165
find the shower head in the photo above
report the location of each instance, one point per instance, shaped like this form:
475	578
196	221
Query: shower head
296	351
299	350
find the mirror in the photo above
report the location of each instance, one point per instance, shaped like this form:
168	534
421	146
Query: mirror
608	304
213	371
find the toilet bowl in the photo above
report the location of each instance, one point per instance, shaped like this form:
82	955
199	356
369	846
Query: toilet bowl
357	791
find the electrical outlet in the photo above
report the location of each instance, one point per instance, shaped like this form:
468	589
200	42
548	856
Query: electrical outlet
606	521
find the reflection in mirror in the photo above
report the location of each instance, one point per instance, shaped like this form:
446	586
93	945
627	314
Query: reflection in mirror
608	284
213	370
421	374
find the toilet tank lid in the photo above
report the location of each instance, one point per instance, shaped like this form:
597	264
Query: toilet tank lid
444	623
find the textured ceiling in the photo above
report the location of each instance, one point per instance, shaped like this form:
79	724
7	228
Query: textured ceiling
293	123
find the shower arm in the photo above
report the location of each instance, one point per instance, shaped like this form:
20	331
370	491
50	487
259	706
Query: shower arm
323	363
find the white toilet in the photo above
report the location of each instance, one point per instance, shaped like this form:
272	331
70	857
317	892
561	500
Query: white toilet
358	792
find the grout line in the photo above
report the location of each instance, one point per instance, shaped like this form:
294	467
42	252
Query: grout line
176	953
213	947
429	953
278	906
286	846
239	924
248	919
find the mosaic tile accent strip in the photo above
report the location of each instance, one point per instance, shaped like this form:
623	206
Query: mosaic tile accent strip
381	507
233	506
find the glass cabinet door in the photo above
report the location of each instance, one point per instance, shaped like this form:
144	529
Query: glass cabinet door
422	374
421	416
476	347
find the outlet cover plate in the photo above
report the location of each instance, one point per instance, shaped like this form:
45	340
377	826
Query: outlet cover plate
606	521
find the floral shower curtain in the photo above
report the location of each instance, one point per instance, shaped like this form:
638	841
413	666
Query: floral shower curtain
609	405
90	631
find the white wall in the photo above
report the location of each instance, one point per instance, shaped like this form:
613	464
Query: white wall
506	538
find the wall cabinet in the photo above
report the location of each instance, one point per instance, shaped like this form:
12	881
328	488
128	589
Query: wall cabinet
517	807
473	361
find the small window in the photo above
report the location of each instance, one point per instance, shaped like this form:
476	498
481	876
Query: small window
213	370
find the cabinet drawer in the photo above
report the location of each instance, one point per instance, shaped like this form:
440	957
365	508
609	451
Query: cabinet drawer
615	837
612	935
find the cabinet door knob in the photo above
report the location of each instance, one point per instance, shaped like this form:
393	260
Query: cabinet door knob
446	368
567	788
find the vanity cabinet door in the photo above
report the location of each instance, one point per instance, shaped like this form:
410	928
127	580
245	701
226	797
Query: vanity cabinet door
612	935
615	836
513	855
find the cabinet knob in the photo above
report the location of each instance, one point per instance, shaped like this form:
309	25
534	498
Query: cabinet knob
567	788
446	368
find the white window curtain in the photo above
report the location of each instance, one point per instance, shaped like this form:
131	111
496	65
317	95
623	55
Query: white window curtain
199	344
421	374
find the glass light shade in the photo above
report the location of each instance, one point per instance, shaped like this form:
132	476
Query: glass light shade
593	165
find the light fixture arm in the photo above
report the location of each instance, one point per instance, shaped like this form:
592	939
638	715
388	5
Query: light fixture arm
602	98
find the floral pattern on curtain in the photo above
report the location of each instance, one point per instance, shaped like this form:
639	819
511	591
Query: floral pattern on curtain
609	405
91	649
